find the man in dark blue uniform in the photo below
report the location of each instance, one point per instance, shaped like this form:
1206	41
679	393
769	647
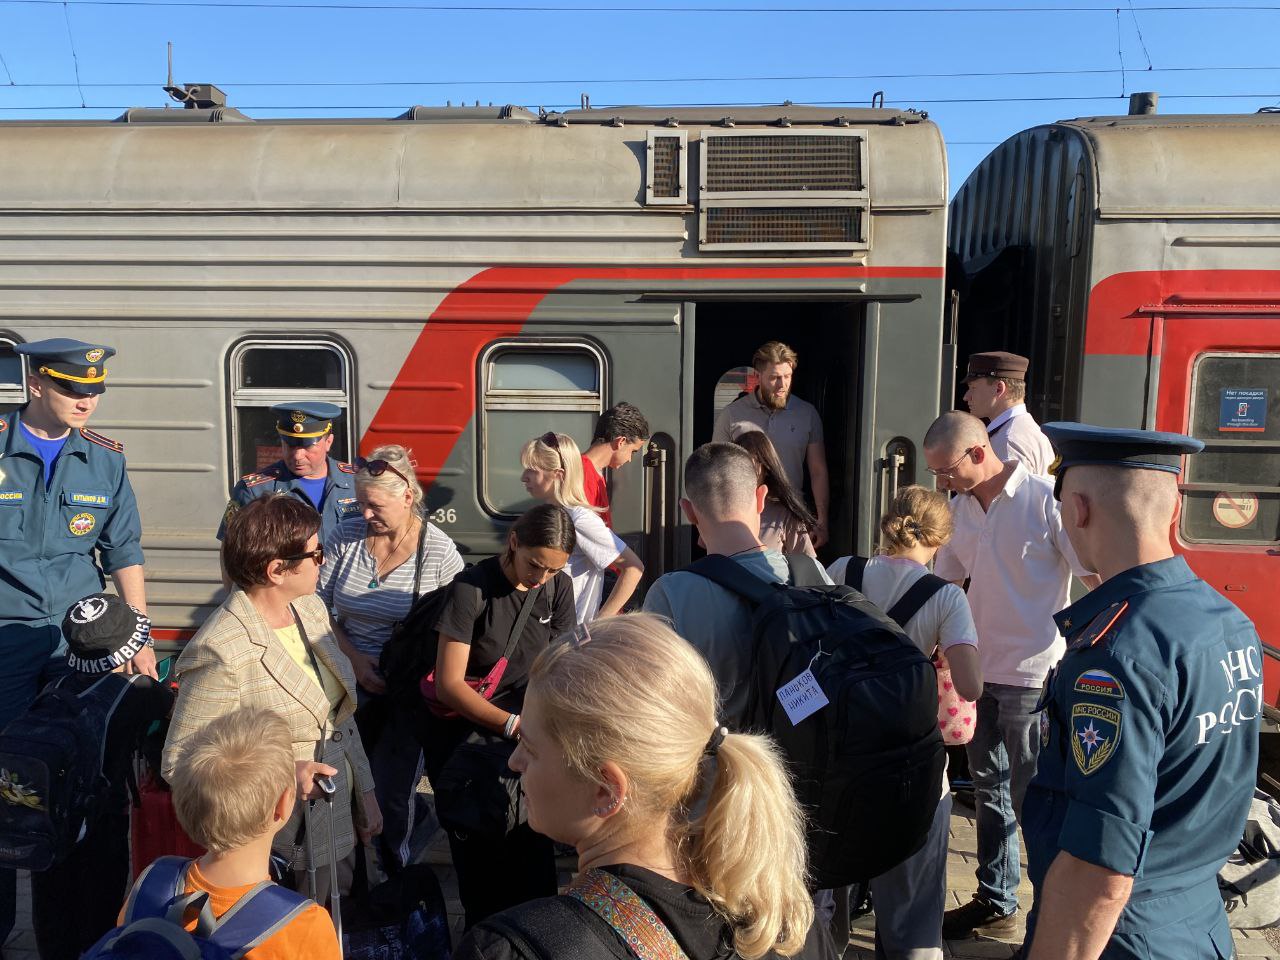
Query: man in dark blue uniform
1149	723
306	470
68	518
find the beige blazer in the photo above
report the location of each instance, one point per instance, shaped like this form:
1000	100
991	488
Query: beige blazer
235	660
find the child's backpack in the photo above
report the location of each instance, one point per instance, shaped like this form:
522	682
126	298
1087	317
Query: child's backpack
51	783
864	751
158	909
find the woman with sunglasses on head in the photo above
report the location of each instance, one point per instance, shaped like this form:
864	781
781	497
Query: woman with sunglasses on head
688	836
377	563
270	644
553	474
498	616
785	521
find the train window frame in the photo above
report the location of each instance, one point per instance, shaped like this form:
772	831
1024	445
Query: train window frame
494	400
14	394
258	398
1199	486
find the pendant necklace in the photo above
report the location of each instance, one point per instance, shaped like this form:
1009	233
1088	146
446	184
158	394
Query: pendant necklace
374	582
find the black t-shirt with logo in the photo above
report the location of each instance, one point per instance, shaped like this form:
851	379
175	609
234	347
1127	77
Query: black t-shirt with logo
481	609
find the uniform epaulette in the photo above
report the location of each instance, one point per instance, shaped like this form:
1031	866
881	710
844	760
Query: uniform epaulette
256	479
95	437
346	467
1100	625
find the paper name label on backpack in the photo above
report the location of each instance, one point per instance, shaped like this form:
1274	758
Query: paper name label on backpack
802	697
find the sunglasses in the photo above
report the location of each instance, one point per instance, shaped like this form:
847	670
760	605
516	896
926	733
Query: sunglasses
317	555
551	440
376	468
946	472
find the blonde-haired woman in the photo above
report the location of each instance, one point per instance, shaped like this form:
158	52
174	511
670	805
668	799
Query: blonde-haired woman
553	474
378	562
910	898
687	832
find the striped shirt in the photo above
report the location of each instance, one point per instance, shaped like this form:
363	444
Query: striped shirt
367	612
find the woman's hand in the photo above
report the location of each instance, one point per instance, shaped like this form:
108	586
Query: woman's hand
367	675
306	772
372	819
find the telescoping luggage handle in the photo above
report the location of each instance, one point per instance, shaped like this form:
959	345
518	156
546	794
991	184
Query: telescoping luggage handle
327	791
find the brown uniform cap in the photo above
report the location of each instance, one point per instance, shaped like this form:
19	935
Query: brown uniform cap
997	363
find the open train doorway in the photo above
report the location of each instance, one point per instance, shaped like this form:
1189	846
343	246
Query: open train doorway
827	337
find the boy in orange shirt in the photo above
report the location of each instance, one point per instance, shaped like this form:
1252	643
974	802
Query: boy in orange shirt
232	791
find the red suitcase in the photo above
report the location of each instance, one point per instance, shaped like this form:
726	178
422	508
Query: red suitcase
156	831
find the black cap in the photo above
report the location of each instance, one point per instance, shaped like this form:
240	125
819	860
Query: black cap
997	363
305	423
1080	443
103	632
76	365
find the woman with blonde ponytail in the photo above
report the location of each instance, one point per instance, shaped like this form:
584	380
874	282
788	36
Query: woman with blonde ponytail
690	842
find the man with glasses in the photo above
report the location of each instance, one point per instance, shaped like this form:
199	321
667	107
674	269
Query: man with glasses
1010	543
306	470
68	519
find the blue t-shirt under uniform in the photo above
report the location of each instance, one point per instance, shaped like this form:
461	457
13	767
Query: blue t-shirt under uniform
49	450
314	489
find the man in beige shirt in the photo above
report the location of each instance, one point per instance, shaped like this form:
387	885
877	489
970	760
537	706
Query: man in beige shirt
997	390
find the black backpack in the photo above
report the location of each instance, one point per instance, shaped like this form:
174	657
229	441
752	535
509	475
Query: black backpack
51	780
868	766
410	652
909	604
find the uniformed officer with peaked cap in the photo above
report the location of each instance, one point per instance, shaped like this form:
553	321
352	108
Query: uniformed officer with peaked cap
1149	723
307	471
68	519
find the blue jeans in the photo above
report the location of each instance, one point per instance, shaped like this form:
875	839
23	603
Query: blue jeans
1002	760
32	657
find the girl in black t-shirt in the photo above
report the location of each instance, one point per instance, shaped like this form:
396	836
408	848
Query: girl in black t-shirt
475	628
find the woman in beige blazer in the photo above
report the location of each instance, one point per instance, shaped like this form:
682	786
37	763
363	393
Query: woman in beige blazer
270	644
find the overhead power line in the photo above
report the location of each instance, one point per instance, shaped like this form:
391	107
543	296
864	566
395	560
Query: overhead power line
601	81
545	8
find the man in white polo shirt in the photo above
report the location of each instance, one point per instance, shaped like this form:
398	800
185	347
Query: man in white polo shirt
1010	543
997	392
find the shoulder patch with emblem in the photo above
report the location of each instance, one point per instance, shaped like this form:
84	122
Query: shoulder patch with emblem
346	467
230	512
94	437
1099	683
1099	626
1095	733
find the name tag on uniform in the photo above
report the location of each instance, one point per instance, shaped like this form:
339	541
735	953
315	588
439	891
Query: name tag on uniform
11	496
348	505
802	697
89	499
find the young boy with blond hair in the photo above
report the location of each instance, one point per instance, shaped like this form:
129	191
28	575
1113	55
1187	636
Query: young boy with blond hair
233	790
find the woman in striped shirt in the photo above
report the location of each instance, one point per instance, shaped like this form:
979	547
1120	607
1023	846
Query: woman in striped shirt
374	561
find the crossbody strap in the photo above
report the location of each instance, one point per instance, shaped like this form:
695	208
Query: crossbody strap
517	628
916	597
417	563
618	905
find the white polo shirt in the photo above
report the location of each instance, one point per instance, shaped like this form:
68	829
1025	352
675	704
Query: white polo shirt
1015	435
1020	562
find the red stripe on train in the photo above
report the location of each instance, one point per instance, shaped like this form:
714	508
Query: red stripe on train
439	371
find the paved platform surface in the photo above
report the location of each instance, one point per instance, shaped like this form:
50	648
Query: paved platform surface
960	885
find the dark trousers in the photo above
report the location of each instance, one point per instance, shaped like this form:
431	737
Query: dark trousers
28	655
395	759
75	902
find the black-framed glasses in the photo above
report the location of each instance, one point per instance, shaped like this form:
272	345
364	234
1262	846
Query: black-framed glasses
376	468
551	440
946	472
317	555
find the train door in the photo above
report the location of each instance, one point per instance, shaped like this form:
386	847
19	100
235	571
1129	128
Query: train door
1219	380
827	338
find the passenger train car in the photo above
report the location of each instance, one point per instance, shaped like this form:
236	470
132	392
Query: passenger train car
462	279
1136	261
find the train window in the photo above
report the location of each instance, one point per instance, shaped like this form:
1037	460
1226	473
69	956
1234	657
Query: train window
1231	491
13	379
267	372
528	389
731	385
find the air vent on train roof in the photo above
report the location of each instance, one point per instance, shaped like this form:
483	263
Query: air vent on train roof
666	169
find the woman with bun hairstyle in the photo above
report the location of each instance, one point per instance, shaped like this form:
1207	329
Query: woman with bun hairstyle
553	474
910	898
785	521
519	600
691	834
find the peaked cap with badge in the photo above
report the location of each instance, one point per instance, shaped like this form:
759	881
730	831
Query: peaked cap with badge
77	366
997	363
305	423
1148	730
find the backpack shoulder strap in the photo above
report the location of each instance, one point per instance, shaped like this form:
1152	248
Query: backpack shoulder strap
108	696
159	883
853	573
721	570
646	937
917	595
806	571
257	916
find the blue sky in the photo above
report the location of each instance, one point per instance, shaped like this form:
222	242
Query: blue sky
551	57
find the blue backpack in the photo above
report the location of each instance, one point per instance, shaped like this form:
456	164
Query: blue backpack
158	908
